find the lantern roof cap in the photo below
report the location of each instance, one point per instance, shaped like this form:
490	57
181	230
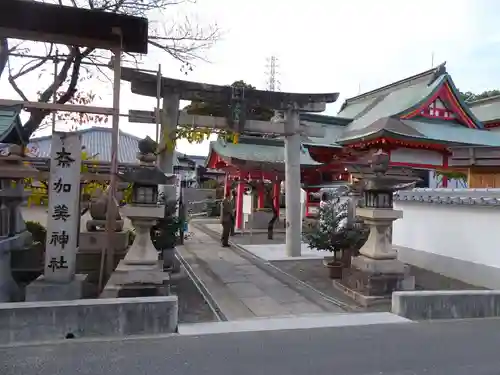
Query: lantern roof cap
146	175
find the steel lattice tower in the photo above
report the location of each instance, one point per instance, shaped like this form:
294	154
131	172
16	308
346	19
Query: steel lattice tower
272	82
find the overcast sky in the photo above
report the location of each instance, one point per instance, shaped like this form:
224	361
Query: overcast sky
334	46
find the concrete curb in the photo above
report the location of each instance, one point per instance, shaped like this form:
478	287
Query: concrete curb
310	293
446	304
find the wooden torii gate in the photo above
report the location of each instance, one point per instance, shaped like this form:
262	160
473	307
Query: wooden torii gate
239	100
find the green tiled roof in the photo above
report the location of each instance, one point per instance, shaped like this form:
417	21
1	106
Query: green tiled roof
10	124
265	152
443	132
486	110
352	110
450	133
317	118
382	125
356	106
401	101
396	102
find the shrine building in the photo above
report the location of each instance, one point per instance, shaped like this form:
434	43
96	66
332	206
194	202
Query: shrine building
417	120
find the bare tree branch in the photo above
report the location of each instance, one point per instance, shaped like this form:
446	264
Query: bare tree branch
32	65
184	42
73	61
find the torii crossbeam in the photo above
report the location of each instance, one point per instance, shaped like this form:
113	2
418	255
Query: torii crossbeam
173	90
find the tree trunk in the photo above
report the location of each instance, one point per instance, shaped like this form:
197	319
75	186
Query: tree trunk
4	54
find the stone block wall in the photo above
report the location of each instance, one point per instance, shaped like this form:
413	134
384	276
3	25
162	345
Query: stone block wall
195	197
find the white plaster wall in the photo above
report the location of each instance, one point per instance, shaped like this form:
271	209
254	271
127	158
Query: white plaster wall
464	232
417	156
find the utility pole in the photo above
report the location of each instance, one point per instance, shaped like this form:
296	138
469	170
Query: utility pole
272	82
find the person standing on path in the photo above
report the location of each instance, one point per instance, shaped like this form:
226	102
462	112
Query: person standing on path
227	220
233	217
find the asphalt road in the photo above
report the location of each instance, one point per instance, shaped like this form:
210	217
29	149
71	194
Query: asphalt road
454	348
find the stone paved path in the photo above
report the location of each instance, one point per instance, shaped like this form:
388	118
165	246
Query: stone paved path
241	289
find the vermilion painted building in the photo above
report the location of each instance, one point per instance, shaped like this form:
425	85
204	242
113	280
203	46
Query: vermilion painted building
416	120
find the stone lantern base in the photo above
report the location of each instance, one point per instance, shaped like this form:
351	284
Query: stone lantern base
133	280
376	272
140	273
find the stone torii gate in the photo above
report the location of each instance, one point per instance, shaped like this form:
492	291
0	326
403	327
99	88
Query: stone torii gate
239	101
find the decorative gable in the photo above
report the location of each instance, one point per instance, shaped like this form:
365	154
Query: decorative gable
438	109
444	104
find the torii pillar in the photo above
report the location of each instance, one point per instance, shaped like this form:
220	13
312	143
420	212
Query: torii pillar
168	126
292	184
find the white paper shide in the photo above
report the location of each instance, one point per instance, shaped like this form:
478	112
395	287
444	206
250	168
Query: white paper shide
63	212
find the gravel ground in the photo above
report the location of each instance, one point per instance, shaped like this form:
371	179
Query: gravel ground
314	273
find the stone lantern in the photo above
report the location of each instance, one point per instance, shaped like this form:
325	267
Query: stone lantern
13	233
143	211
376	272
140	273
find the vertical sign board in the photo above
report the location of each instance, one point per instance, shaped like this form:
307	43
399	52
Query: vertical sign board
63	212
247	209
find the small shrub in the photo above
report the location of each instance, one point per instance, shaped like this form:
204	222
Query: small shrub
165	233
37	230
334	233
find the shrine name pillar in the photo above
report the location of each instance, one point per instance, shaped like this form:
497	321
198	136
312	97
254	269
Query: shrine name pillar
240	191
261	198
292	184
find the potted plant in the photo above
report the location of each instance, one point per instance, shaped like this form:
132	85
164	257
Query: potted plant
335	234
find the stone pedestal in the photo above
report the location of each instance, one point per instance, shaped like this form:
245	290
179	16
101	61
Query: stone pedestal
142	251
140	273
45	290
134	280
8	287
88	258
376	272
378	244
